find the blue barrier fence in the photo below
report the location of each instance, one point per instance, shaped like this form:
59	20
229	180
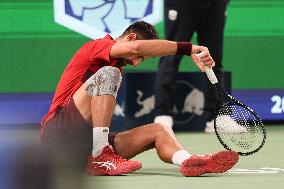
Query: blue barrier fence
135	103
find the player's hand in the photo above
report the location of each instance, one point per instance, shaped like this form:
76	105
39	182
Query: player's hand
204	58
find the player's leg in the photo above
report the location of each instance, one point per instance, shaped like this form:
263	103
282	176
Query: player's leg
165	85
178	27
135	141
211	34
132	142
95	100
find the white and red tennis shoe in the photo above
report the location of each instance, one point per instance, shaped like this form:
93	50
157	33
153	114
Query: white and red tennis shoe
109	163
213	163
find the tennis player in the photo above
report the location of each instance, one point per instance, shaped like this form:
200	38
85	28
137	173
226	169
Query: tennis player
84	101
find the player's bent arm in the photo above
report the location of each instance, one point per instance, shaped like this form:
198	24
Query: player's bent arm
145	48
157	48
153	48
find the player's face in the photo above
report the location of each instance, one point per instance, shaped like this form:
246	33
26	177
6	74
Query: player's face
134	61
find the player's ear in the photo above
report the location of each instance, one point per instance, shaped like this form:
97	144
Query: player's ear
131	37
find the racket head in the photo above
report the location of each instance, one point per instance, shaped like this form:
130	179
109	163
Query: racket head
239	128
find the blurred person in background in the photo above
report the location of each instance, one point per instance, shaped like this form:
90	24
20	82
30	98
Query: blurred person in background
183	18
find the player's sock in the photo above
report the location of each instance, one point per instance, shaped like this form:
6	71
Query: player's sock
179	156
100	140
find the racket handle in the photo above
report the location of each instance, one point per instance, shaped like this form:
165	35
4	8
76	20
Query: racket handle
209	72
211	75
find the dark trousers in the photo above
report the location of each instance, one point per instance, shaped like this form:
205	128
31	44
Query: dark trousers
207	18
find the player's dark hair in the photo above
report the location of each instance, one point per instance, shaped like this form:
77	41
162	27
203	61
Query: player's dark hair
143	30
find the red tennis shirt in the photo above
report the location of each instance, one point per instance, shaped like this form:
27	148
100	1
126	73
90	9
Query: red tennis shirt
87	60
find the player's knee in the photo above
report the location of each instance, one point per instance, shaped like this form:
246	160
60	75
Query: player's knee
160	129
105	81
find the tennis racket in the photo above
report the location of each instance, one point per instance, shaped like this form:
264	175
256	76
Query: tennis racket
236	125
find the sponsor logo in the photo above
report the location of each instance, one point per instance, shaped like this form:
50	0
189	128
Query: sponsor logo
108	165
147	104
172	15
194	102
119	110
96	18
105	130
190	103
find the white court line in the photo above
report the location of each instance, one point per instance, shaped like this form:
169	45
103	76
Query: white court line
264	170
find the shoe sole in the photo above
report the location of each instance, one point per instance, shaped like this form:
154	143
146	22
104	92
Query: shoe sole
216	163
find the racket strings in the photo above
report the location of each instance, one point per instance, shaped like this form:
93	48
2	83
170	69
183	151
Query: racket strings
239	128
